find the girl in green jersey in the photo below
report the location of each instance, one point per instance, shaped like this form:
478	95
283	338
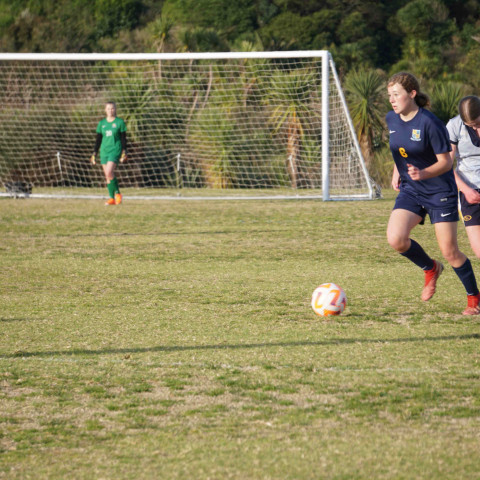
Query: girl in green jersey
112	143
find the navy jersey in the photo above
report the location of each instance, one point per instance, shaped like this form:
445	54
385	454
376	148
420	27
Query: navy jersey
417	142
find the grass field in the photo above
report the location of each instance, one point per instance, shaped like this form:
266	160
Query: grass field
175	340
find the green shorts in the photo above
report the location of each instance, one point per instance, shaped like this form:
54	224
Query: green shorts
104	159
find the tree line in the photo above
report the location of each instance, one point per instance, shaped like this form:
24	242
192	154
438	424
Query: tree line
437	40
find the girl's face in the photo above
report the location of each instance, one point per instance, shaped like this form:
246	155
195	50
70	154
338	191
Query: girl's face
402	101
110	110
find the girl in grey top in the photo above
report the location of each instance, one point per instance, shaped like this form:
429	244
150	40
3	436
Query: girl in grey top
464	133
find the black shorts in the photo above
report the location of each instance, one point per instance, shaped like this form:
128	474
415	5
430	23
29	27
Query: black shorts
444	210
470	211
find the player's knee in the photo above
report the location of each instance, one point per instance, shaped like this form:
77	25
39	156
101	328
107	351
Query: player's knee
453	255
397	242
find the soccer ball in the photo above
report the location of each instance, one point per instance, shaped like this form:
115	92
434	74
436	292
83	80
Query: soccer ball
328	299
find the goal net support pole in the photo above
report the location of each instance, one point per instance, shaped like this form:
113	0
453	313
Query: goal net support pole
325	132
250	124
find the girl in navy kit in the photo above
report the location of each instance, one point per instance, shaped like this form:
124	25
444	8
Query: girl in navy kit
423	176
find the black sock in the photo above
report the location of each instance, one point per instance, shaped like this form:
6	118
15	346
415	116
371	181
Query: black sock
417	255
467	277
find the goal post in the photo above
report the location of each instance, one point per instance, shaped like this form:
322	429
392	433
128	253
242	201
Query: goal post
248	124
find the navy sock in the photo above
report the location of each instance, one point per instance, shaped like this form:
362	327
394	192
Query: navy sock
467	277
417	255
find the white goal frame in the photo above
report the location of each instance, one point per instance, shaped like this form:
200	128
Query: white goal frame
328	72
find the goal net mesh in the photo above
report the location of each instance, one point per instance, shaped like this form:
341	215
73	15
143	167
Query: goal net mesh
229	125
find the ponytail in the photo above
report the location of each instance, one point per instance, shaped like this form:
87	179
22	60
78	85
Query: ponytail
422	100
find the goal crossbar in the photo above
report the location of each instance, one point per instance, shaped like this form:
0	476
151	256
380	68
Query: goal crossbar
162	56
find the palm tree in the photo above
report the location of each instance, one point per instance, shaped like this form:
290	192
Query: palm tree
445	99
135	94
160	29
213	140
160	33
365	97
290	98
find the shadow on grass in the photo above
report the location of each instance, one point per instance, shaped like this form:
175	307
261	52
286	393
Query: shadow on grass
184	348
152	234
18	319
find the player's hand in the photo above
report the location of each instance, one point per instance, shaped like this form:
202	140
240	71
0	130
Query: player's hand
93	159
414	172
472	196
396	180
123	157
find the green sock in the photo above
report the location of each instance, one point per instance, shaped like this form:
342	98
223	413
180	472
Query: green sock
111	188
115	185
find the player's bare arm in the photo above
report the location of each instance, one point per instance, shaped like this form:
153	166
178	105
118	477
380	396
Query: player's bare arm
471	195
395	179
444	164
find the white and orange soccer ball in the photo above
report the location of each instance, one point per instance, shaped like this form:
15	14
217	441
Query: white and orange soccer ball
328	299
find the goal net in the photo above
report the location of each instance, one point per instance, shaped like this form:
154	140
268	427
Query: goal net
229	124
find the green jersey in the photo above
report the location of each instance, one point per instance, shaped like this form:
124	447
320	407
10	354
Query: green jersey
111	139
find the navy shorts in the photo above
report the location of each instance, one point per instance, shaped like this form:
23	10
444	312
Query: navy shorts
470	211
444	209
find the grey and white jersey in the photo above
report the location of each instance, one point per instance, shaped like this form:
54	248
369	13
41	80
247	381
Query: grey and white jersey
468	154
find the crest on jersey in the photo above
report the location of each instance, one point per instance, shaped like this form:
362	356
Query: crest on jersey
415	135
